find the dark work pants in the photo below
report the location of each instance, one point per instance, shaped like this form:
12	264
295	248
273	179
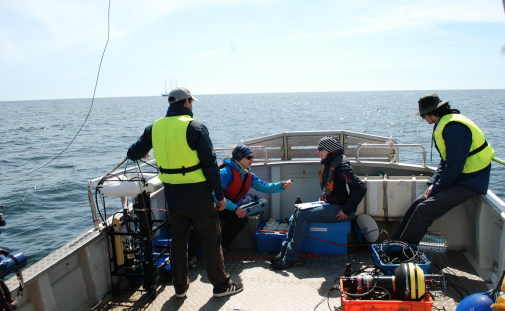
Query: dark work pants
229	231
207	222
232	228
423	212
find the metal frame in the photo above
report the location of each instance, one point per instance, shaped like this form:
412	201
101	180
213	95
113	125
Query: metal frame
252	147
391	146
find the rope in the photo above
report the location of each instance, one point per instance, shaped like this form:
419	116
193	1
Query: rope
89	112
301	255
499	160
267	231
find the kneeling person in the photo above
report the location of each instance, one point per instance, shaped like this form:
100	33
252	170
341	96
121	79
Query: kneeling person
237	179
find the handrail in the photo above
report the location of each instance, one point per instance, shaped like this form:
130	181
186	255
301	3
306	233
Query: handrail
252	147
499	160
316	133
391	146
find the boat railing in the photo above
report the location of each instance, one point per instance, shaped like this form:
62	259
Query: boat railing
391	145
287	146
265	151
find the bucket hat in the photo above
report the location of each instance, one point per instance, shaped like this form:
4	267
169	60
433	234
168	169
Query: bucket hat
429	103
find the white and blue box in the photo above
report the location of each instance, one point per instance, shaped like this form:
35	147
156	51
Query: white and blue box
331	232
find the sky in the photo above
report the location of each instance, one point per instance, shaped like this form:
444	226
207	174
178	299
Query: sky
51	49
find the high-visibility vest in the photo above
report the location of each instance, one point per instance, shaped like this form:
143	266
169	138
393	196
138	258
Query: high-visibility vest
481	153
177	162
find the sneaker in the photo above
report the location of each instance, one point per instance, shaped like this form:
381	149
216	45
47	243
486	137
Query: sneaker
192	262
233	289
181	295
276	258
285	263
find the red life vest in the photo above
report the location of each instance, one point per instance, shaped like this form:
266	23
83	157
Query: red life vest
237	187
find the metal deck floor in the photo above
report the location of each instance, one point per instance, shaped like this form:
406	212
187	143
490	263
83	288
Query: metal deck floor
298	288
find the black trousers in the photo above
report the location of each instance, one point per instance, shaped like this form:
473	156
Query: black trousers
228	233
423	212
207	222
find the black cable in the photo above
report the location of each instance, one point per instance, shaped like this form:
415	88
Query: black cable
98	304
89	112
96	203
410	254
455	279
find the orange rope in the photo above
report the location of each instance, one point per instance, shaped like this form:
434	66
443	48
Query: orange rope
310	238
301	255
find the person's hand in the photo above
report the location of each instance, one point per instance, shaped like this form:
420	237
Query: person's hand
221	205
240	213
147	156
341	215
286	184
427	193
321	197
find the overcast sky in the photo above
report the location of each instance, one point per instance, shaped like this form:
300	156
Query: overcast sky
51	49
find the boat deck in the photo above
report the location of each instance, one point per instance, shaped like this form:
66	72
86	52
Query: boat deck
299	288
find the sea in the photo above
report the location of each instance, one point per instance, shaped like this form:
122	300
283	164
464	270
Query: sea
47	208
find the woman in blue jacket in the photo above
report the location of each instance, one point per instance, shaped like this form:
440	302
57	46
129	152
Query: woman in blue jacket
237	179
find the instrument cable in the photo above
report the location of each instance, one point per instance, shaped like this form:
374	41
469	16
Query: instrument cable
89	112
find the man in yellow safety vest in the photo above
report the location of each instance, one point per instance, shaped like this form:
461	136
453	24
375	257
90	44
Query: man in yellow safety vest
188	169
463	171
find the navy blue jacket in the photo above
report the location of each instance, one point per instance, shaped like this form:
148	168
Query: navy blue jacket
458	141
344	174
182	197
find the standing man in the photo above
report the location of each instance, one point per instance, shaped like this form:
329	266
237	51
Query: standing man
188	169
463	172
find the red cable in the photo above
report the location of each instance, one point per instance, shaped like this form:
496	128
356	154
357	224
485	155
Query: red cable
313	238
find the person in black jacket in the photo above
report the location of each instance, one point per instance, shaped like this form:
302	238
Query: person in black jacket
342	192
463	171
189	172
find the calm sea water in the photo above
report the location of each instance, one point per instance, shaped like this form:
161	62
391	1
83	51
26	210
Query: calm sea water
50	207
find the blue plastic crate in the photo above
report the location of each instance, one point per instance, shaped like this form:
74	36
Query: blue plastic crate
333	232
390	269
269	242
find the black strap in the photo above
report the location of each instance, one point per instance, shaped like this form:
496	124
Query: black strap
182	170
484	145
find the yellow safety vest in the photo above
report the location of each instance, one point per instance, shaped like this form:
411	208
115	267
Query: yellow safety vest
481	153
177	163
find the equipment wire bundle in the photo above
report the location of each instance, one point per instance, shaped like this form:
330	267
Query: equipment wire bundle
397	252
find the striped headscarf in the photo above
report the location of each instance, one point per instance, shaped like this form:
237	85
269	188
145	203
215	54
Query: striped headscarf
330	144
